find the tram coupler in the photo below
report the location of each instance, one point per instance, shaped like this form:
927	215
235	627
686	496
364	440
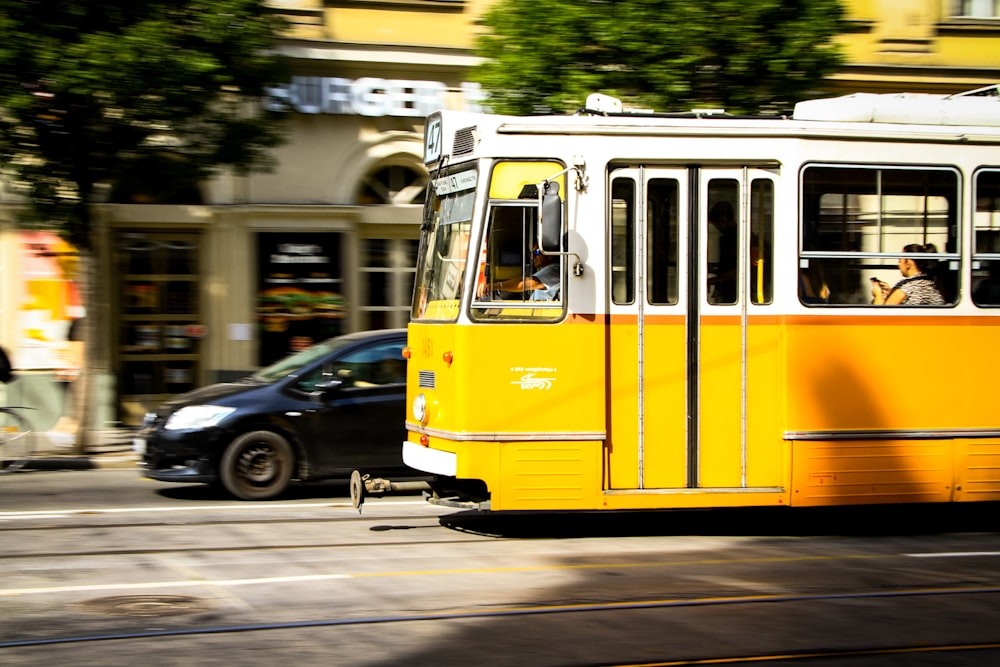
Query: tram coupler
363	486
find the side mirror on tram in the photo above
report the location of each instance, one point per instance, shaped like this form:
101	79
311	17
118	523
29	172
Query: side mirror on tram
550	212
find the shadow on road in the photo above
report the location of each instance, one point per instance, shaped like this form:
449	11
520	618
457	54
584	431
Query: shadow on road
784	521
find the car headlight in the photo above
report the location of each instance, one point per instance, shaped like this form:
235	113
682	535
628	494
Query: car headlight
420	409
197	416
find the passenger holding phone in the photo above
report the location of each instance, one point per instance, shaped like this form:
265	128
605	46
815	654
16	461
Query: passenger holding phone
917	288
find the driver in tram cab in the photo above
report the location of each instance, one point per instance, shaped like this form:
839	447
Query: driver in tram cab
543	284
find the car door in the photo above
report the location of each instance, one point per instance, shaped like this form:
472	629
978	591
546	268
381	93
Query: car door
360	423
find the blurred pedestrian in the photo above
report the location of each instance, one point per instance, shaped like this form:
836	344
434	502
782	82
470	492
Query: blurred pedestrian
6	370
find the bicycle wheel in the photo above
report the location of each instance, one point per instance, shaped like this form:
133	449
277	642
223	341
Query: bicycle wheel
16	441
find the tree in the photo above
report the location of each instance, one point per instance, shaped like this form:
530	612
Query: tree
96	92
746	56
89	87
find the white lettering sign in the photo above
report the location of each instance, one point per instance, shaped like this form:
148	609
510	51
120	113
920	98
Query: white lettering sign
460	182
368	96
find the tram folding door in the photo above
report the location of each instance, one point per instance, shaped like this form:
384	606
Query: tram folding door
648	316
684	352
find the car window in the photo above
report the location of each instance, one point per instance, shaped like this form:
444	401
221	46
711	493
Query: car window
376	364
292	363
311	380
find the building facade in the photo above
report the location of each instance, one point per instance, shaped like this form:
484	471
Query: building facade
212	280
919	46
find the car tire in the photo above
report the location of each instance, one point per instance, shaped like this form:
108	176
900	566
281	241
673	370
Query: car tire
257	465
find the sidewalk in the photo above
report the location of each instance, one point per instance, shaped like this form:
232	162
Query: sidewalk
111	448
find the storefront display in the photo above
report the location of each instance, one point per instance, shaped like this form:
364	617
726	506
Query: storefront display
159	327
300	294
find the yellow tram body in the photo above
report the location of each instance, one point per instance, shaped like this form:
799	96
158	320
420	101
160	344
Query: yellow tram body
619	394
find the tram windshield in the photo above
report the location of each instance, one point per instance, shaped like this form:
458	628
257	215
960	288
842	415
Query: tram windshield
444	246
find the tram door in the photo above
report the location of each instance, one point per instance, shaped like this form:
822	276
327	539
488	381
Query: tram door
647	333
686	249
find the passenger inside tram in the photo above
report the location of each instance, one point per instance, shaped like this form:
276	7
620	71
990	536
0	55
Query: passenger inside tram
812	284
918	287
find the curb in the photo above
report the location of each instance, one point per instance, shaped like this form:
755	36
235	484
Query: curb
58	461
111	448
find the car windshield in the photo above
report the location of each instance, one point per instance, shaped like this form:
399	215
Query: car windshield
292	363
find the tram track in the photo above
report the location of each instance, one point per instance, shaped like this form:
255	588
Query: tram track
609	607
400	585
382	523
284	521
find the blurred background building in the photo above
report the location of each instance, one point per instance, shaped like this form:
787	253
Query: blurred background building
206	281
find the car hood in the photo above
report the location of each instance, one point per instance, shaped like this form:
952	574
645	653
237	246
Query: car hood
213	393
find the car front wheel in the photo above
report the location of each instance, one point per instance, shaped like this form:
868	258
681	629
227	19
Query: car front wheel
257	465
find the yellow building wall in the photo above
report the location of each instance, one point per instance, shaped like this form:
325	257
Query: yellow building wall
407	25
889	45
916	46
391	22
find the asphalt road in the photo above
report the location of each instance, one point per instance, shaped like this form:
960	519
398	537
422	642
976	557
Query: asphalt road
103	567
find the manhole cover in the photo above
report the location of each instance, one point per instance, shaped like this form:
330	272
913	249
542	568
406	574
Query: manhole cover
147	605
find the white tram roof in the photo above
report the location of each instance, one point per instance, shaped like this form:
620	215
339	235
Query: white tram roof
971	118
979	107
974	108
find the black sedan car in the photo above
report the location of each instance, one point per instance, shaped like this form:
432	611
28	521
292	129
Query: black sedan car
321	413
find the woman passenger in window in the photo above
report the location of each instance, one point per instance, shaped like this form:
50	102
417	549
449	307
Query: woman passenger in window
917	288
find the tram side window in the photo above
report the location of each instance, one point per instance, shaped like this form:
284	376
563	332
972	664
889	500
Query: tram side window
662	220
513	272
622	241
986	252
723	240
761	240
857	221
729	242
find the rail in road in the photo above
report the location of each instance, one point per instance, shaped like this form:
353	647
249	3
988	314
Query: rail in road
407	583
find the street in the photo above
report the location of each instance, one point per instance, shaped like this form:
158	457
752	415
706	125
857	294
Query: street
103	567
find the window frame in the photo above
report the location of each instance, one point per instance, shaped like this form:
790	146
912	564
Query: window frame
871	262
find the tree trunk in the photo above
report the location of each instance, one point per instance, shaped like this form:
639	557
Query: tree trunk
80	394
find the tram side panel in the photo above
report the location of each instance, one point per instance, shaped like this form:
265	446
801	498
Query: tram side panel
969	381
854	382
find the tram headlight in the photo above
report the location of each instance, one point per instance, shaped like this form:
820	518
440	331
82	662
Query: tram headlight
420	408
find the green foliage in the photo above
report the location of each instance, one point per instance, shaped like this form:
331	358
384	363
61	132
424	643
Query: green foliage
746	56
89	87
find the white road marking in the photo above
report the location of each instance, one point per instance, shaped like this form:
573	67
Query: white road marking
7	592
954	554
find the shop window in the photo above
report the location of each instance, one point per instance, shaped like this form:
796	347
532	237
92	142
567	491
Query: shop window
387	268
976	9
300	291
159	340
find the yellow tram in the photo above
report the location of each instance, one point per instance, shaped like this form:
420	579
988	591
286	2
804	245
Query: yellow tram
618	310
